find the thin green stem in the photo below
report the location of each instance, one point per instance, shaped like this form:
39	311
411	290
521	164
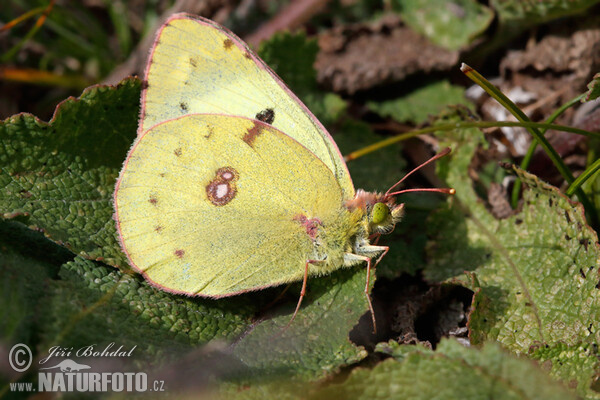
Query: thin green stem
23	17
462	125
527	159
36	27
585	175
520	115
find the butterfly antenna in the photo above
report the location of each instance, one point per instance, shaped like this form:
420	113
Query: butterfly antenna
439	155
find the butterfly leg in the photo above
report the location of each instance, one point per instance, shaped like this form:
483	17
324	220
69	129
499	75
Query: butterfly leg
375	238
371	249
303	291
350	258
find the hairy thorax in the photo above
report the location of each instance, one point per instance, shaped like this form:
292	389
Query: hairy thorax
349	231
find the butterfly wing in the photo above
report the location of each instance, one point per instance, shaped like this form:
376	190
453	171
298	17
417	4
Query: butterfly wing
197	66
213	205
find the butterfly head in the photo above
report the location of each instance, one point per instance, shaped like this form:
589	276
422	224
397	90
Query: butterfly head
383	216
381	211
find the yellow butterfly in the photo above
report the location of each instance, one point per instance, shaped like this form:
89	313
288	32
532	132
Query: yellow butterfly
232	185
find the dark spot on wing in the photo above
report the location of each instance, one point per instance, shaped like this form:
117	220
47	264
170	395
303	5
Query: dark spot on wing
222	189
252	134
311	225
267	116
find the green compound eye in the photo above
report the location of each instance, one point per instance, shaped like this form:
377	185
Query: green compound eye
380	213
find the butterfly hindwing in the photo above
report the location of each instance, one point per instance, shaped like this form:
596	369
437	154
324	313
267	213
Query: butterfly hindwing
214	204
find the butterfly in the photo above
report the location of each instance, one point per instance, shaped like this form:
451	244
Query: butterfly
232	184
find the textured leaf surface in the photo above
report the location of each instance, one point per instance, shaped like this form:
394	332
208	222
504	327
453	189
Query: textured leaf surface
534	11
316	343
449	24
60	175
28	263
451	372
93	303
418	106
280	390
576	365
593	88
535	273
551	268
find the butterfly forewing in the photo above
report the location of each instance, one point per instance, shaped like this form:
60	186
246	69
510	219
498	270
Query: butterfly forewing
197	66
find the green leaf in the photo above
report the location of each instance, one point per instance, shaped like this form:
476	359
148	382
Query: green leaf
292	56
282	389
316	344
95	304
592	185
451	372
593	88
532	12
553	299
417	106
535	272
449	24
575	365
59	176
28	263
